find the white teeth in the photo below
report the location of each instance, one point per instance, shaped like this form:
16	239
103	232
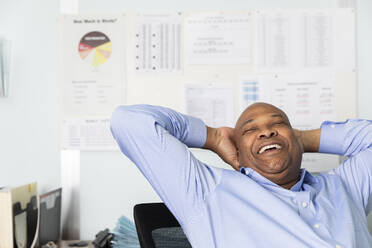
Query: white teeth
269	147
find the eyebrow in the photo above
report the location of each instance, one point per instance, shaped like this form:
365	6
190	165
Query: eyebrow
251	120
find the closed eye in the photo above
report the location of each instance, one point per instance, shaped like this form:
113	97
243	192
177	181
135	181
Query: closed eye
250	130
280	123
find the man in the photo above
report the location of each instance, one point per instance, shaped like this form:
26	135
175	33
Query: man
267	201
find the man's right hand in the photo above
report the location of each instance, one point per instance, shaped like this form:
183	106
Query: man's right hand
221	141
309	139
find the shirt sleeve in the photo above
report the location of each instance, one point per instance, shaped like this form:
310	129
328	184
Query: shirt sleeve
353	139
156	140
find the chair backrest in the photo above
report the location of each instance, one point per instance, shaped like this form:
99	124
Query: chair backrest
149	217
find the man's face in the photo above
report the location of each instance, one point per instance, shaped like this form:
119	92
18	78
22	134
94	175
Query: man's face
266	143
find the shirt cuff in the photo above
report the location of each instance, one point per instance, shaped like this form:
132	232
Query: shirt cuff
197	133
332	137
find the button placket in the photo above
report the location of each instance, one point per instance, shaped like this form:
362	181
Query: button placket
303	203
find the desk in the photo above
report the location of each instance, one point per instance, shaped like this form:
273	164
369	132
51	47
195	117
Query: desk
65	243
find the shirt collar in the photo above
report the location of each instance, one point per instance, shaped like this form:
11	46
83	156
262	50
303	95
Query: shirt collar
306	177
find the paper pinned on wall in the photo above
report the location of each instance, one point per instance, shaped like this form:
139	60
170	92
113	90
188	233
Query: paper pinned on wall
158	42
249	92
93	65
274	32
318	39
218	38
92	79
307	99
211	103
91	134
290	40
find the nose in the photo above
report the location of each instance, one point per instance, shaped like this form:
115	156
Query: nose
268	133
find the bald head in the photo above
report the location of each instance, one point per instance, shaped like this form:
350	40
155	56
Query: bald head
249	112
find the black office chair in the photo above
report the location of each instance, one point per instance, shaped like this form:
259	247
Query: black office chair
157	227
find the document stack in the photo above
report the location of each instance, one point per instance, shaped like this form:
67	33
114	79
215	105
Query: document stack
18	216
125	234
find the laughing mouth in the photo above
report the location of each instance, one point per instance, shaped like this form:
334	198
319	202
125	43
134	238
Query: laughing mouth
270	147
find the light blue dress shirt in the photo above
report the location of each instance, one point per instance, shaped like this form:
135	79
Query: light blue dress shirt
227	209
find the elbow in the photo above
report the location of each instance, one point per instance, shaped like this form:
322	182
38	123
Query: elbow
127	117
119	119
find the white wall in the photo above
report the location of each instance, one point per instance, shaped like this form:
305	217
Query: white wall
29	117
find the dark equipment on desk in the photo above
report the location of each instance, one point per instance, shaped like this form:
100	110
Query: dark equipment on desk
103	239
79	244
50	216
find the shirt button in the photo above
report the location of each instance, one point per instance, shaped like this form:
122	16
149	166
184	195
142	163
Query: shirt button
333	126
304	204
316	225
338	246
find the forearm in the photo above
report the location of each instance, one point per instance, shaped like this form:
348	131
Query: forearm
310	140
135	119
154	139
212	137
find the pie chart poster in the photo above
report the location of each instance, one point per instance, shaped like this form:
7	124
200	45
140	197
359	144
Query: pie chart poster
92	62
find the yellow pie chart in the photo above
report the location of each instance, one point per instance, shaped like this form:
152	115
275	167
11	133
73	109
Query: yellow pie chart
95	48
